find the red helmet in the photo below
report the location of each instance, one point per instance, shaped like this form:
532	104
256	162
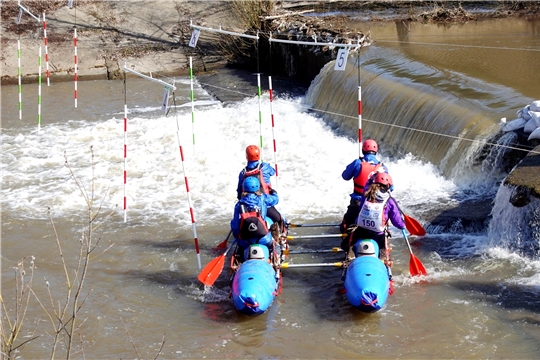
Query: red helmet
383	179
370	145
253	153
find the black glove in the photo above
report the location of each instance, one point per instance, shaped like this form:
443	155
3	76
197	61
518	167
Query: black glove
273	192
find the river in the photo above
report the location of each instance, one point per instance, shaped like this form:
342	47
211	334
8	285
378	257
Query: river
479	300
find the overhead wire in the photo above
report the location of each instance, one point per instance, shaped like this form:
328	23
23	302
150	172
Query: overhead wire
482	140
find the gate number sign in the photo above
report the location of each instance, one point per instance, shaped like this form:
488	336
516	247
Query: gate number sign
341	60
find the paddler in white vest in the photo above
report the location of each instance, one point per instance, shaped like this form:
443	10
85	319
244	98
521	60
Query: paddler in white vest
377	207
263	172
361	170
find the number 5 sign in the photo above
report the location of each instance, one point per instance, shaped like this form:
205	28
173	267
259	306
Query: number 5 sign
194	38
341	60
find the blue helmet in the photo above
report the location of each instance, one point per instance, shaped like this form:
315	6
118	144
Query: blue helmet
251	184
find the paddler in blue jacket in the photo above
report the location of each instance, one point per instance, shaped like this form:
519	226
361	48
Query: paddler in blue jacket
263	172
253	200
377	207
361	170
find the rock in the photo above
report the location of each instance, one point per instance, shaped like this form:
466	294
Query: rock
525	178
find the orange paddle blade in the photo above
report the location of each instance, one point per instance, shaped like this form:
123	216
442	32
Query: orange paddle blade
414	226
211	272
222	245
416	267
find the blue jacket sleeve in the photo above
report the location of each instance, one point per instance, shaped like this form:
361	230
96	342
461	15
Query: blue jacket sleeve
270	200
235	222
268	171
352	170
240	183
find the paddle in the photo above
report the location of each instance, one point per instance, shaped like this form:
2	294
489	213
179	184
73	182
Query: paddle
290	237
286	265
211	272
332	250
412	225
415	266
223	244
312	225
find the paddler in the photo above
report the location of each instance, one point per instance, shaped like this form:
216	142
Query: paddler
361	170
249	224
263	172
377	207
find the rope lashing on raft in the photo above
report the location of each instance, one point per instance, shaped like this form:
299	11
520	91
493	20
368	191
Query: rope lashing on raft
368	297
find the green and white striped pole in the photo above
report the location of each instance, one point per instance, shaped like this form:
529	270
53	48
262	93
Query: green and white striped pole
260	111
39	89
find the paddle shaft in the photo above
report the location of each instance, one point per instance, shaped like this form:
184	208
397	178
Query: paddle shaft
315	236
313	225
407	241
333	250
287	265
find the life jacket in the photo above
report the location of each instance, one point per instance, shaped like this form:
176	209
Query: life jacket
368	170
371	216
252	224
265	188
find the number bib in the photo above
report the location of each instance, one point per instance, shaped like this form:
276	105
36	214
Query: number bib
371	216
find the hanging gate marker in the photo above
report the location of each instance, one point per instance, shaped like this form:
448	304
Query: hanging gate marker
75	63
168	87
340	65
360	120
18	21
273	127
260	111
22	8
192	101
39	89
46	48
19	75
125	148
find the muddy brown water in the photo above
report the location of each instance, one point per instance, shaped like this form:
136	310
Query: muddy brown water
479	301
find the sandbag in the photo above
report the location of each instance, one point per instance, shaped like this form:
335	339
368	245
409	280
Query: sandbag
535	134
516	124
535	105
536	116
524	113
530	126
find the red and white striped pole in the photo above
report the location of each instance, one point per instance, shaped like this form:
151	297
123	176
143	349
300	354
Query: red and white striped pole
125	161
75	62
191	212
46	49
39	89
19	75
273	127
360	120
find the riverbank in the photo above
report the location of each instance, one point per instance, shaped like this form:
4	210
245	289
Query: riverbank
153	35
150	36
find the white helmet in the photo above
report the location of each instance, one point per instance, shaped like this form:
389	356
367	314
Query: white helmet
257	251
367	247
